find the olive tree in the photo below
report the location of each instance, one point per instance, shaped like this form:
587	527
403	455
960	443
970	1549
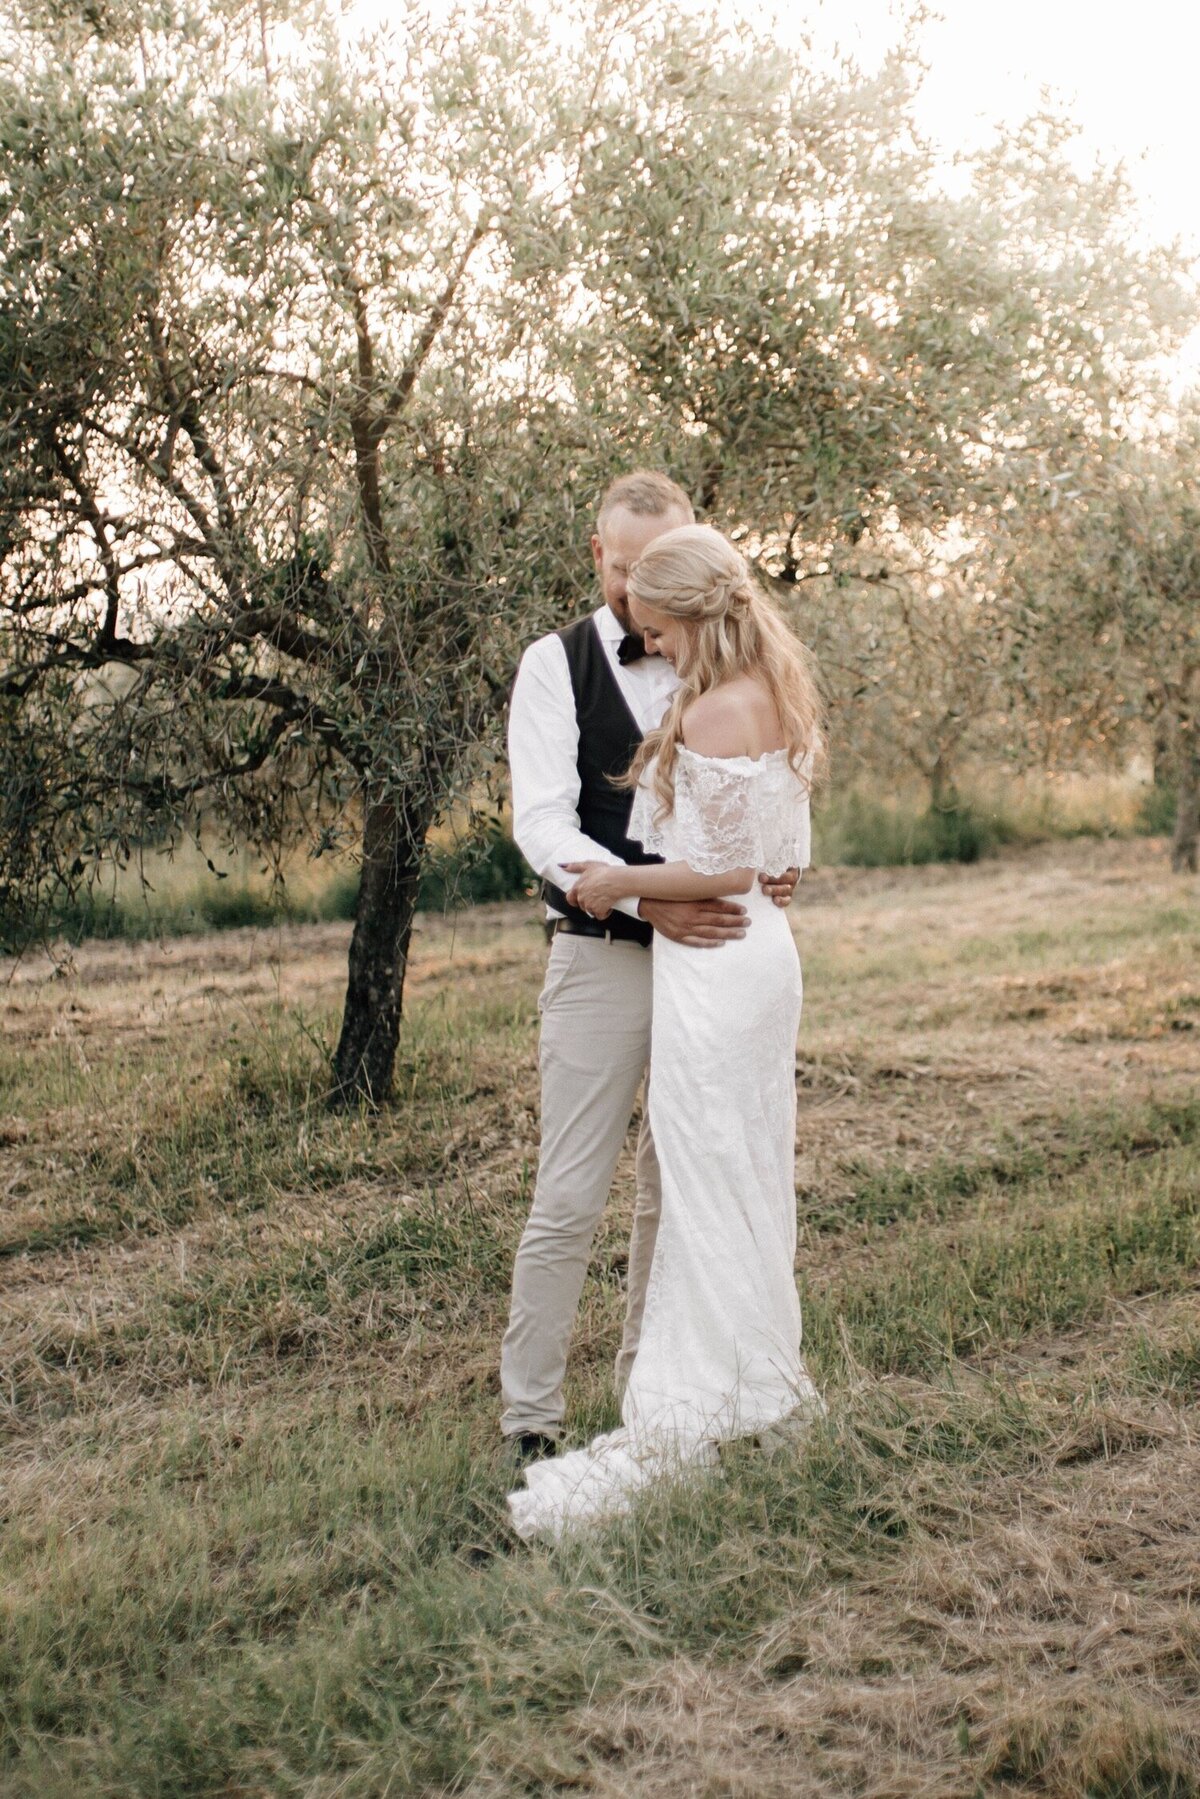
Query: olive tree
1108	579
913	660
863	375
284	480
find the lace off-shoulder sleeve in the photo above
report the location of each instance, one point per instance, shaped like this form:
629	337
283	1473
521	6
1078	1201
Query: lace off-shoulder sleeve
730	812
644	828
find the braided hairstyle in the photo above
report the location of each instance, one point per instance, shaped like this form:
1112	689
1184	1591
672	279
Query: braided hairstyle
696	575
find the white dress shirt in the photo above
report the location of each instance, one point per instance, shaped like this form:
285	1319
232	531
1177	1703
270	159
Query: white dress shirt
543	746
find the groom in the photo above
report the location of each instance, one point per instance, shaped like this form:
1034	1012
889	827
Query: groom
583	699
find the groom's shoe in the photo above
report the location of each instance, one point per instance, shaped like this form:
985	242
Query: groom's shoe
531	1446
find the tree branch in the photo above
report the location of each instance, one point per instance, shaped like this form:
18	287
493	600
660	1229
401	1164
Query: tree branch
283	632
367	434
79	590
96	520
399	396
184	405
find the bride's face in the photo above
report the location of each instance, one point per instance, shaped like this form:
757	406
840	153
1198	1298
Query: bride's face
663	635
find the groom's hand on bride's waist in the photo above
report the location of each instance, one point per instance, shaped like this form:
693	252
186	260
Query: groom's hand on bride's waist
780	888
703	924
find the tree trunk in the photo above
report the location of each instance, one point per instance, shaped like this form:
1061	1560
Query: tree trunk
393	835
1187	796
943	794
1160	748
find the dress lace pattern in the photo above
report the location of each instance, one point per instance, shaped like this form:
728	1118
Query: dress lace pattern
730	812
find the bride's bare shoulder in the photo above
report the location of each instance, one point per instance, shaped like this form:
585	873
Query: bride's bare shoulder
735	719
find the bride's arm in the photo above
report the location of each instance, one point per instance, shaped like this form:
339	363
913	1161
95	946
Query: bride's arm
600	885
715	724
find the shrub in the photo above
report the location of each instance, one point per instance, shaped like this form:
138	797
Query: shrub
867	833
225	907
486	867
1156	814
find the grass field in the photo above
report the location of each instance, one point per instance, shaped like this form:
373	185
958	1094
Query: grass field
253	1521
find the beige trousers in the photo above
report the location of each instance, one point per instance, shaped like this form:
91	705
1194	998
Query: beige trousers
595	1046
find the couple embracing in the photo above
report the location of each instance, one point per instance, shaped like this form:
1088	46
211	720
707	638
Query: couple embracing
662	751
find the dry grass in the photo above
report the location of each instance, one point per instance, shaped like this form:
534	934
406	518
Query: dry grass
253	1500
1035	1633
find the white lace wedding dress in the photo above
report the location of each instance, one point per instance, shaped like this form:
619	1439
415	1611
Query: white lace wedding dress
719	1355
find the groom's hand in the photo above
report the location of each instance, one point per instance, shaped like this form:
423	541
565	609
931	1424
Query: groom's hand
702	924
780	888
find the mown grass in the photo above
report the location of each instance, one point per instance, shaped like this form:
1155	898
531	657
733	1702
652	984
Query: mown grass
347	1596
1029	1246
1064	944
254	1535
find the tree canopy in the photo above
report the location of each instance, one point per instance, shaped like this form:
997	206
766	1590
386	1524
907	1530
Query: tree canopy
314	358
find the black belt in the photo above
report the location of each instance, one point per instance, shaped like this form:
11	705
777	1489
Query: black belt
618	927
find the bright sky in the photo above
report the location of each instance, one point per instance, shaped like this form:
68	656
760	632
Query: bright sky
1126	74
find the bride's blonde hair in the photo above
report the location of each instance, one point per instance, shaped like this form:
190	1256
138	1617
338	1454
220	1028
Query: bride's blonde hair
694	574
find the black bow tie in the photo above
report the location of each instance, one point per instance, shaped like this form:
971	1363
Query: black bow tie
630	649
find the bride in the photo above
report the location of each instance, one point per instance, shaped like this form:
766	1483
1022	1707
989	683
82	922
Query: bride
721	792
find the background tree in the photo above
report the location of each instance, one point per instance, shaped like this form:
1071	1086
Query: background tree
862	376
312	365
913	662
1108	579
283	486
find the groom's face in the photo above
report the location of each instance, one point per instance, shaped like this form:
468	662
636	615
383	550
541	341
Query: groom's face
615	549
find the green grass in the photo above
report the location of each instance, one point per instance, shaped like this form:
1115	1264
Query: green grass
250	1122
345	1595
1156	814
254	1538
207	1144
1170	1368
1055	1258
857	830
884	1194
340	1593
483	868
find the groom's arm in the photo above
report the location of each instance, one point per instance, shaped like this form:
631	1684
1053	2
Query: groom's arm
543	749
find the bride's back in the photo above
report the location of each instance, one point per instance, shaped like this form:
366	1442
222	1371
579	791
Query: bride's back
736	718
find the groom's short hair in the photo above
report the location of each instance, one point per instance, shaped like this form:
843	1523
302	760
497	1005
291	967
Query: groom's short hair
646	493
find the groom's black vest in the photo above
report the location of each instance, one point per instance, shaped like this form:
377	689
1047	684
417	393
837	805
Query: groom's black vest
608	738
